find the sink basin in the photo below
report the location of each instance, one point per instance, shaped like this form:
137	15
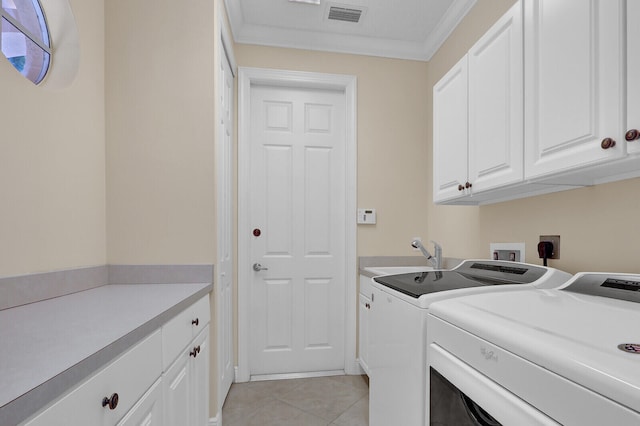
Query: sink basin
392	270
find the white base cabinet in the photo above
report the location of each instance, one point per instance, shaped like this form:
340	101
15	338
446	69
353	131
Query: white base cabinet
163	380
186	385
148	411
364	306
123	383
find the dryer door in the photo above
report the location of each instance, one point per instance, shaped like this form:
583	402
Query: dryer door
450	406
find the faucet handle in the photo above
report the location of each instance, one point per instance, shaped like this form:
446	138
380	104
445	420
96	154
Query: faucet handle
437	254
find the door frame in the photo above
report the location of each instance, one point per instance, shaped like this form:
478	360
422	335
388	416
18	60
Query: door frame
308	80
225	53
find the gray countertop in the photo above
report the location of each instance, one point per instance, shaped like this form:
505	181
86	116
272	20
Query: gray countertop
365	262
48	347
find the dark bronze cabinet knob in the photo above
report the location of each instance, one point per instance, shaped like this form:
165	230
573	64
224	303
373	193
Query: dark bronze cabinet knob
194	353
468	185
195	322
632	135
460	188
112	402
607	143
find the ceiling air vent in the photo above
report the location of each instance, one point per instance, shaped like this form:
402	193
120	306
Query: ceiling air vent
344	14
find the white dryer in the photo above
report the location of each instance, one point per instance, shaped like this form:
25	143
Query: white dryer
567	356
398	335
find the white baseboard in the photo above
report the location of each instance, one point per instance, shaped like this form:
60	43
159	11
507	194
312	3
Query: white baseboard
354	368
216	421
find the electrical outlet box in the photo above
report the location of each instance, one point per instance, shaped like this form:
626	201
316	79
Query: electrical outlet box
555	240
507	251
367	216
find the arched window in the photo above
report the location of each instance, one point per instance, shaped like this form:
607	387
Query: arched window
25	38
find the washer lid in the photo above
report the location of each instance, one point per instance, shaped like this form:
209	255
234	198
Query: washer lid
576	336
470	273
615	286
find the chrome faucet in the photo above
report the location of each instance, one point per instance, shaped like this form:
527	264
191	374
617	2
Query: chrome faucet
436	260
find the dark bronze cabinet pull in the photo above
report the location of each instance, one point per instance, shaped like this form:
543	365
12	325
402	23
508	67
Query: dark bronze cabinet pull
194	353
195	322
468	185
460	188
607	143
112	402
632	135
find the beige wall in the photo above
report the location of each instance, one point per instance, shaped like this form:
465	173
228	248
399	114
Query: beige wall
160	99
392	132
52	165
596	225
160	132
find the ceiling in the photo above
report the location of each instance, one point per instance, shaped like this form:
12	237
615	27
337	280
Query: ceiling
403	29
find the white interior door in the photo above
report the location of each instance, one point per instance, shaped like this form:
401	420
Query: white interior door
224	267
297	210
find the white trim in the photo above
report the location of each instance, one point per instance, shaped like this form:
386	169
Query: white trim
248	33
348	84
226	52
217	420
286	376
227	40
449	22
357	368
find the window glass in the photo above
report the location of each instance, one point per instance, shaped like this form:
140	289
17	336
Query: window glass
25	38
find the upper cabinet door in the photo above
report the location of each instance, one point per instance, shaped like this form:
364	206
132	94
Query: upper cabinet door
450	133
633	73
496	104
573	84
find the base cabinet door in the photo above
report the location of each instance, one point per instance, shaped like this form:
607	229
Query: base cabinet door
363	328
177	387
186	385
573	84
200	370
147	411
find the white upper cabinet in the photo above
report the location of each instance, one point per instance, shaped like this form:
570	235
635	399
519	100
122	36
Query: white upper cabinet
574	84
478	110
450	136
496	105
633	76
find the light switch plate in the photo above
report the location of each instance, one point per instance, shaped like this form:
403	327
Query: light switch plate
367	216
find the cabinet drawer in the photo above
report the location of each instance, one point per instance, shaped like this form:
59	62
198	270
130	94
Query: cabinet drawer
365	286
178	332
148	411
129	376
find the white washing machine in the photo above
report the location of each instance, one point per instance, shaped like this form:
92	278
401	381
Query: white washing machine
567	356
398	334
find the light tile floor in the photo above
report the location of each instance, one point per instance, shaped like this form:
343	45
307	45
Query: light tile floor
318	401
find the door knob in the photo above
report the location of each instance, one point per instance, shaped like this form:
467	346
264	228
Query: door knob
258	267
